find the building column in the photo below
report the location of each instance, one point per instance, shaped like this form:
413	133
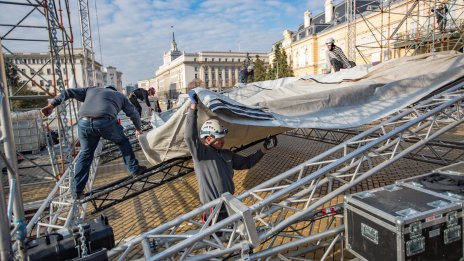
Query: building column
209	77
216	74
202	73
223	72
236	74
230	76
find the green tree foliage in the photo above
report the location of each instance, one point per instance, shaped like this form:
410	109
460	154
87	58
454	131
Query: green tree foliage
14	81
259	70
280	67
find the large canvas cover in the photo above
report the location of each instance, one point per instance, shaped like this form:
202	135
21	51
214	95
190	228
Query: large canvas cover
345	99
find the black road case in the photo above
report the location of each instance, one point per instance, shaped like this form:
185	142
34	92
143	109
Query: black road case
448	181
403	223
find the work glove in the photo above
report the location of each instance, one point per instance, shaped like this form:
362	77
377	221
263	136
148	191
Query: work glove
270	142
193	97
47	110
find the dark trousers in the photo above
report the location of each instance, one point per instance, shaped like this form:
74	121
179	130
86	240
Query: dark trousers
90	132
337	65
221	215
135	102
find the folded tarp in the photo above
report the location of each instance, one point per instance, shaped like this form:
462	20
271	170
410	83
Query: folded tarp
346	99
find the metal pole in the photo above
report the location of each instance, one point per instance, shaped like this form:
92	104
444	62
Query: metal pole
10	152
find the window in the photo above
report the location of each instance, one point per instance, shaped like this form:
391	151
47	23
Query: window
41	83
206	59
32	71
225	59
49	71
23	70
232	59
194	59
212	59
196	69
196	76
219	59
49	82
239	60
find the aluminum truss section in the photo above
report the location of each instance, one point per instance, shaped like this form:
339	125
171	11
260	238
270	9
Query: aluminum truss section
443	152
271	213
118	191
60	210
86	37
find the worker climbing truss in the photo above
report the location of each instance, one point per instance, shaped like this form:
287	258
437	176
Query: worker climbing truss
269	217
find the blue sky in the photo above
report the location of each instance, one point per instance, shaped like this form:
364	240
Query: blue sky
134	34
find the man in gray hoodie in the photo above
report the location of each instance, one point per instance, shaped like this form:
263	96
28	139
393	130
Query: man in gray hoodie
97	119
214	166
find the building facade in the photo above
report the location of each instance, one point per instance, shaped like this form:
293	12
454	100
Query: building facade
183	71
111	76
37	70
382	30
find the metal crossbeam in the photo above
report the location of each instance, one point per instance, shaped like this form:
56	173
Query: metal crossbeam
282	204
60	210
118	191
443	152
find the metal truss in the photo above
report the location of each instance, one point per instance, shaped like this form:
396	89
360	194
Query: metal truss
118	191
408	27
60	210
86	37
443	152
270	220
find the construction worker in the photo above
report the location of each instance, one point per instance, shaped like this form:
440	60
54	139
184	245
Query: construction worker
97	119
335	57
214	165
440	12
141	94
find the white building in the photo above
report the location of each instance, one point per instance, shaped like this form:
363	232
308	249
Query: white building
37	69
111	76
182	71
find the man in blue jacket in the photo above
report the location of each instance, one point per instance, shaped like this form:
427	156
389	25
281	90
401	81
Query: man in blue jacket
97	119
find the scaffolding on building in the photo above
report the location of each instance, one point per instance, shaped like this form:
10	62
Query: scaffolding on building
400	28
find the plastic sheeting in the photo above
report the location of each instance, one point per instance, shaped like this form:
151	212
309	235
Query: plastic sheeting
346	99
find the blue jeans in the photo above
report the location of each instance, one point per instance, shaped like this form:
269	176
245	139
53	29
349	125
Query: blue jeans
90	132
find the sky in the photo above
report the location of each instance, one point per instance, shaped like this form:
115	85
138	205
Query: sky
132	35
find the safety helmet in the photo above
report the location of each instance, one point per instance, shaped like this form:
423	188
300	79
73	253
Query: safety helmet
213	129
151	91
329	40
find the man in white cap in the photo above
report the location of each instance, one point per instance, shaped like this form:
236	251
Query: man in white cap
335	57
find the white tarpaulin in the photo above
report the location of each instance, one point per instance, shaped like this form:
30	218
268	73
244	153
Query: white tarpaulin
345	99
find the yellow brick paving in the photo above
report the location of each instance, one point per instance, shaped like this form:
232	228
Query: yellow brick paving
155	207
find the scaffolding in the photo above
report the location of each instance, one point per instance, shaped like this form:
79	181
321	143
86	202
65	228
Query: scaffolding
397	28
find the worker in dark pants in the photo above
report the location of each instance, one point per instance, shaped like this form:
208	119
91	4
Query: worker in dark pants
214	166
141	94
336	58
97	119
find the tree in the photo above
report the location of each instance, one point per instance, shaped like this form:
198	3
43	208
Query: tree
259	70
280	67
14	81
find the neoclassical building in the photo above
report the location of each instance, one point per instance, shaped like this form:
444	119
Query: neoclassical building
182	71
382	30
37	70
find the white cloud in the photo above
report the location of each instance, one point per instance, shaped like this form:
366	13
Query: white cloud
135	34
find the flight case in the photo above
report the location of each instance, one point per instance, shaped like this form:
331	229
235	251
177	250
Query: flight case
448	181
398	222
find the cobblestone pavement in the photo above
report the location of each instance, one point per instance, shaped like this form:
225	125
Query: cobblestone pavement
152	208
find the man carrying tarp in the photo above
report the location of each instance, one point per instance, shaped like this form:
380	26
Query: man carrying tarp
97	119
141	94
336	58
214	166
